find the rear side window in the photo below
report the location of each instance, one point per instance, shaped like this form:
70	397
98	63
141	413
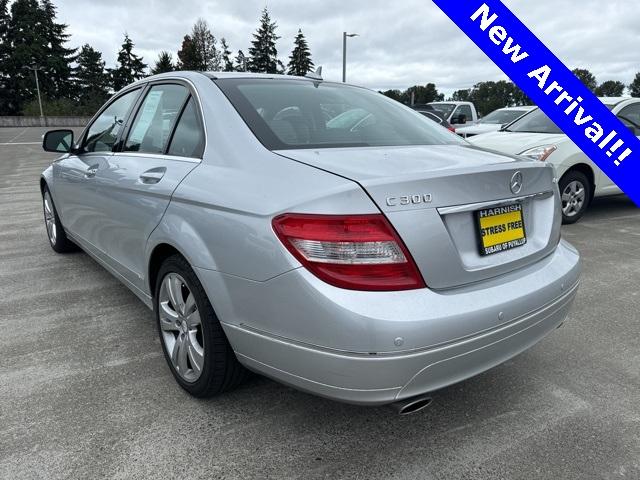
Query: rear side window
188	139
103	132
155	119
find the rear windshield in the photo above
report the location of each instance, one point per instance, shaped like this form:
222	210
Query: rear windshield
293	114
445	108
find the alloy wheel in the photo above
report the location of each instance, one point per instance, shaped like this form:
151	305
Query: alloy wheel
50	218
573	198
181	327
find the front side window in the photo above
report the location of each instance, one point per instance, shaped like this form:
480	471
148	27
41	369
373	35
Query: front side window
103	132
534	122
287	114
188	139
463	110
155	119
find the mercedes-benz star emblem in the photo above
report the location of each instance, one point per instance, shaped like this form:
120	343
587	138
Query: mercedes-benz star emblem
516	183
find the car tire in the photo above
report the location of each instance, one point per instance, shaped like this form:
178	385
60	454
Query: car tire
194	344
55	232
575	195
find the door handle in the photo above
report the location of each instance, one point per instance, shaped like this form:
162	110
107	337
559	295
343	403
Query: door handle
152	176
91	171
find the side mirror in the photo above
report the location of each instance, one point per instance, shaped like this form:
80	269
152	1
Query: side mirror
59	141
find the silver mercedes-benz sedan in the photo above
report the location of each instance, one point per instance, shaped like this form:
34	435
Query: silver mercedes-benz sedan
318	233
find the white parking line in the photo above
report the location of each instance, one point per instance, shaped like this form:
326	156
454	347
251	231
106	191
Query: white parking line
19	135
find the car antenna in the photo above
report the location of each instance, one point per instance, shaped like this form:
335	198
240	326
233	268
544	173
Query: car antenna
317	75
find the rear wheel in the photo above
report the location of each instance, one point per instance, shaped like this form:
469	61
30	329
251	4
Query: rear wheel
575	193
56	234
194	344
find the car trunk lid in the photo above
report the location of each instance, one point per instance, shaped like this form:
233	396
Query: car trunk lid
431	195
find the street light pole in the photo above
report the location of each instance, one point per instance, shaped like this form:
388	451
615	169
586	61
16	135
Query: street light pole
35	71
344	54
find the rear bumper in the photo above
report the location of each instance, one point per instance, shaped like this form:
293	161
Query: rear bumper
385	376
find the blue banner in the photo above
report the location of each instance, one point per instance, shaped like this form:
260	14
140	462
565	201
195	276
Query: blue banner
610	144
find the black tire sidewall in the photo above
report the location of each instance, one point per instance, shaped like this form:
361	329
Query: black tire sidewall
576	176
203	385
62	243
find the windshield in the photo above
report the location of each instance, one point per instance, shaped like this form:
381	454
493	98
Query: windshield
445	108
286	114
502	117
534	122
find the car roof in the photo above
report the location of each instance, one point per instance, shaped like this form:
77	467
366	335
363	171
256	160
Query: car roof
614	100
526	108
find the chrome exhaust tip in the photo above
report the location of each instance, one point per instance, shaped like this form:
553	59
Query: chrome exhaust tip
412	404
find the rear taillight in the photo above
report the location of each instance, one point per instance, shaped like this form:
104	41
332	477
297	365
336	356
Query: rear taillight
357	252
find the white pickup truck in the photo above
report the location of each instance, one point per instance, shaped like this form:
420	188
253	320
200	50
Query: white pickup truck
457	113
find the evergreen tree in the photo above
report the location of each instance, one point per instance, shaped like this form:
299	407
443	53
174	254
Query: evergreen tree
225	61
91	79
263	55
33	38
130	67
163	64
634	88
610	88
586	77
5	53
187	55
57	66
240	62
300	62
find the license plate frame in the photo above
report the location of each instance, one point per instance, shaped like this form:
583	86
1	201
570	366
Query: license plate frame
498	228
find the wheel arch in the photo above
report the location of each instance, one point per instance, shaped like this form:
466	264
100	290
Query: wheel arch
158	255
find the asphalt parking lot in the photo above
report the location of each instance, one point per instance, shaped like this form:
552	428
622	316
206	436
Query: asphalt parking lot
85	392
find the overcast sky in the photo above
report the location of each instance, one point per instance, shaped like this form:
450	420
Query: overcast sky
401	43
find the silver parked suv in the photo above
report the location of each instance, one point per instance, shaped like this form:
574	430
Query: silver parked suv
318	233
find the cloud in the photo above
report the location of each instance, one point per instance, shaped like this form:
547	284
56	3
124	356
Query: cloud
401	43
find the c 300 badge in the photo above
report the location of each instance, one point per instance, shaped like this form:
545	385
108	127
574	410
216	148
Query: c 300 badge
403	200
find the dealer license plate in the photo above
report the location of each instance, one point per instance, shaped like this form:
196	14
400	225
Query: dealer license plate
500	228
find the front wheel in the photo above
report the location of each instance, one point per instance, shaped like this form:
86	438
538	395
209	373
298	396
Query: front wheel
194	344
55	232
575	193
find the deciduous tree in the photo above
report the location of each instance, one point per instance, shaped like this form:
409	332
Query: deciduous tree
610	88
586	77
187	55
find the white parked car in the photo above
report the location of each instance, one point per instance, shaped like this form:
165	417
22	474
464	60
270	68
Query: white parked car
535	136
457	113
494	121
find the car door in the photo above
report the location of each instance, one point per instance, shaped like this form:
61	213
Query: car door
163	144
75	192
